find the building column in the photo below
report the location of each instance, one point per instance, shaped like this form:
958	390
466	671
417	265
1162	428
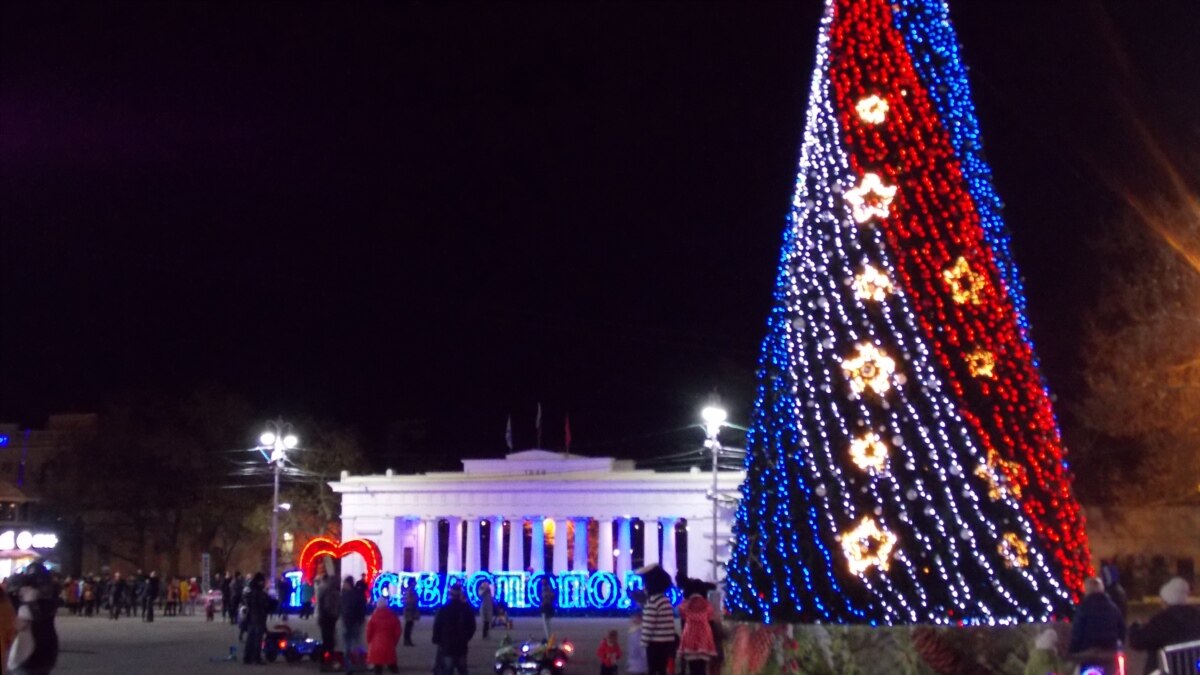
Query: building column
561	545
668	547
699	550
432	544
650	539
516	545
624	548
604	545
472	563
496	544
580	554
454	551
537	550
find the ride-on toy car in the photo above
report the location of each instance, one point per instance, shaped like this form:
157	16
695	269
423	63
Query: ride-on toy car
293	644
547	657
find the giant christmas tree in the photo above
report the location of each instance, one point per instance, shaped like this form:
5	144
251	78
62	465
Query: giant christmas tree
905	465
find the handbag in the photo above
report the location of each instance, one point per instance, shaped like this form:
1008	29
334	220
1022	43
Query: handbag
22	646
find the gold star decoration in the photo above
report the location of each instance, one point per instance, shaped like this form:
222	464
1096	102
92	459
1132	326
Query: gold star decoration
869	369
981	363
868	546
1003	477
872	109
869	453
966	285
871	199
871	284
1015	551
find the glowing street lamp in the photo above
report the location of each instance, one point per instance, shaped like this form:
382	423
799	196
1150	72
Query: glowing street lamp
714	417
274	444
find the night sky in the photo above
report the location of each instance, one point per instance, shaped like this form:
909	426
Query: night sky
375	213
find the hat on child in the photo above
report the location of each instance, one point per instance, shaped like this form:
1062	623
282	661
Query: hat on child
1047	639
1174	592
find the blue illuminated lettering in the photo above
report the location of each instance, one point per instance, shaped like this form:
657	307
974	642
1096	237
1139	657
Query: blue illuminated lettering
576	591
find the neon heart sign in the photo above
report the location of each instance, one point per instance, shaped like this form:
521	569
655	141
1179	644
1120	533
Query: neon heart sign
324	546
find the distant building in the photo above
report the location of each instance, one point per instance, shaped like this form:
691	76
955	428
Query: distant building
536	512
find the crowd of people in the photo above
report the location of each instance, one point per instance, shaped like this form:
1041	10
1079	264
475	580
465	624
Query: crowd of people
139	595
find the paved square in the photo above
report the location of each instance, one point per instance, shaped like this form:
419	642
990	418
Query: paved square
189	645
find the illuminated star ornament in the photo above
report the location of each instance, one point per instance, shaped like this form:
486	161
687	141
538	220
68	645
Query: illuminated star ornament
871	199
871	284
869	453
872	109
867	546
869	369
981	363
966	285
1003	477
1014	550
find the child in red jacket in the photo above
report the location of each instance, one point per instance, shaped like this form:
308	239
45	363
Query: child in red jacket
609	654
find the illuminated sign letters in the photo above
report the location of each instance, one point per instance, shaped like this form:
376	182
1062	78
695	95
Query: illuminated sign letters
579	591
25	540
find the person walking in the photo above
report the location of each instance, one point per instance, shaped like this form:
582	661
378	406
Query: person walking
329	605
696	645
487	606
151	596
412	613
116	596
635	651
258	605
39	604
354	614
237	590
548	598
453	628
658	619
226	595
306	599
383	634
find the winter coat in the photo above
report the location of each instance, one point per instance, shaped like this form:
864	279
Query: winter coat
329	603
8	628
635	653
453	628
486	603
354	607
1175	624
412	611
1044	662
697	639
609	653
658	620
45	637
383	634
258	606
1098	624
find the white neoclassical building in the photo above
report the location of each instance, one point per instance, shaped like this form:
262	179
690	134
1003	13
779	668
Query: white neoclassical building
568	513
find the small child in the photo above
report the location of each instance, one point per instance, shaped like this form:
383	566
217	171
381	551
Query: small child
210	609
1043	659
635	653
609	653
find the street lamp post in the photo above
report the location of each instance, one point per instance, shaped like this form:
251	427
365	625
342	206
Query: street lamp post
714	417
277	439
